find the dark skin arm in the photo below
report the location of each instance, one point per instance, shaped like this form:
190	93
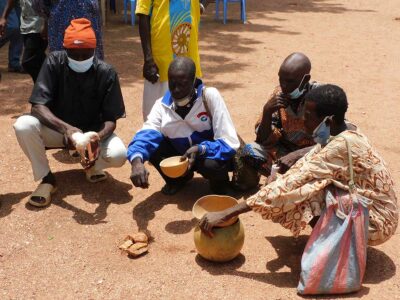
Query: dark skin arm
139	174
46	117
212	219
150	69
106	130
191	155
274	104
3	20
287	161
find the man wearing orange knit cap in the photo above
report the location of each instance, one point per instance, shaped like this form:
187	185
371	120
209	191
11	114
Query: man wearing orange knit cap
75	93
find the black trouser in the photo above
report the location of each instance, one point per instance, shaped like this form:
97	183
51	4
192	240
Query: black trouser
216	171
34	54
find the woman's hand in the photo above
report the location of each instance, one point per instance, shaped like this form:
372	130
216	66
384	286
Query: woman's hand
210	220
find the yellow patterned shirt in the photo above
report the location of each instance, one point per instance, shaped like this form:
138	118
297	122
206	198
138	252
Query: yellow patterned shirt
174	31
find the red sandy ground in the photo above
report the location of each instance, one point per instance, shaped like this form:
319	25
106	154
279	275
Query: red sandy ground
69	250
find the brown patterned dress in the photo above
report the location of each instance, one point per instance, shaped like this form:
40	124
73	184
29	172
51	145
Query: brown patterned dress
299	195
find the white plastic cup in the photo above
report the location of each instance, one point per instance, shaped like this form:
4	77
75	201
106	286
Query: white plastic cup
274	170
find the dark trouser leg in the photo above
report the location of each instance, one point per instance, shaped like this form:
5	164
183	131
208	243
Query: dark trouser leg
164	151
217	172
15	49
34	54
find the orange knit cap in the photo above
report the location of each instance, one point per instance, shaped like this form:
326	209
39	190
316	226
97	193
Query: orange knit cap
80	34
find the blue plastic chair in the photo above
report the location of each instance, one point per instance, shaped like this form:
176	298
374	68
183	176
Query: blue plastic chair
242	9
133	8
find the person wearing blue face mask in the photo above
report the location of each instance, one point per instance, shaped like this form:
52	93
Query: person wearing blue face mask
74	92
322	133
280	133
297	198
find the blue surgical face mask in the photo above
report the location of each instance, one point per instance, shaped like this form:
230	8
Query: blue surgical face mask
322	133
297	93
80	66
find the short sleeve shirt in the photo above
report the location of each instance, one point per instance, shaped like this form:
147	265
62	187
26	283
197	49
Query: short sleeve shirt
84	100
30	20
174	31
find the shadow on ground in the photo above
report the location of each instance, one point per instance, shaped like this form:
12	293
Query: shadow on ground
7	201
380	267
123	48
146	210
105	193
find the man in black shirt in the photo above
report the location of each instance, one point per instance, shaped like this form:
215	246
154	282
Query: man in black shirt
74	92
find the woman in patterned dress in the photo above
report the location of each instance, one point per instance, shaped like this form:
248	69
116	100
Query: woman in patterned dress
298	196
59	14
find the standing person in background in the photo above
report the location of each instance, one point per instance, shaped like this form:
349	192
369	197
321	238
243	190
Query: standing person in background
60	13
10	33
168	28
34	33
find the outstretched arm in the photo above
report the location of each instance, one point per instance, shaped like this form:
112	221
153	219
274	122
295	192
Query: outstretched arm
210	220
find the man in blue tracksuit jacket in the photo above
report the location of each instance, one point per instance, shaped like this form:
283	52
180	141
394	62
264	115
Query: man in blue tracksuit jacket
186	122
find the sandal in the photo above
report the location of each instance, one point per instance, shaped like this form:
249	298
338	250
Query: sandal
94	176
42	192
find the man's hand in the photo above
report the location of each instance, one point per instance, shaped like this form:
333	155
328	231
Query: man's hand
69	143
91	155
210	220
150	71
3	25
279	101
139	174
191	154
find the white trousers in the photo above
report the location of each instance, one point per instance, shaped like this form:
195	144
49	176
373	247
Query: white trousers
33	137
151	93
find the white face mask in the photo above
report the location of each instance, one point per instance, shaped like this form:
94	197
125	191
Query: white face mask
182	102
297	93
80	66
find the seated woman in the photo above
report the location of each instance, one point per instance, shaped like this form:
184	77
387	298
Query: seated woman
296	197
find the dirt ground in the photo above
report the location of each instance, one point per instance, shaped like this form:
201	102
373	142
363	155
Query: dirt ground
69	250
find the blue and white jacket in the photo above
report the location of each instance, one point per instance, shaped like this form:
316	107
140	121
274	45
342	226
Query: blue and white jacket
219	140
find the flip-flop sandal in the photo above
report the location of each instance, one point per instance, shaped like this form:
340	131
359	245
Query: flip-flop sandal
43	191
95	176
